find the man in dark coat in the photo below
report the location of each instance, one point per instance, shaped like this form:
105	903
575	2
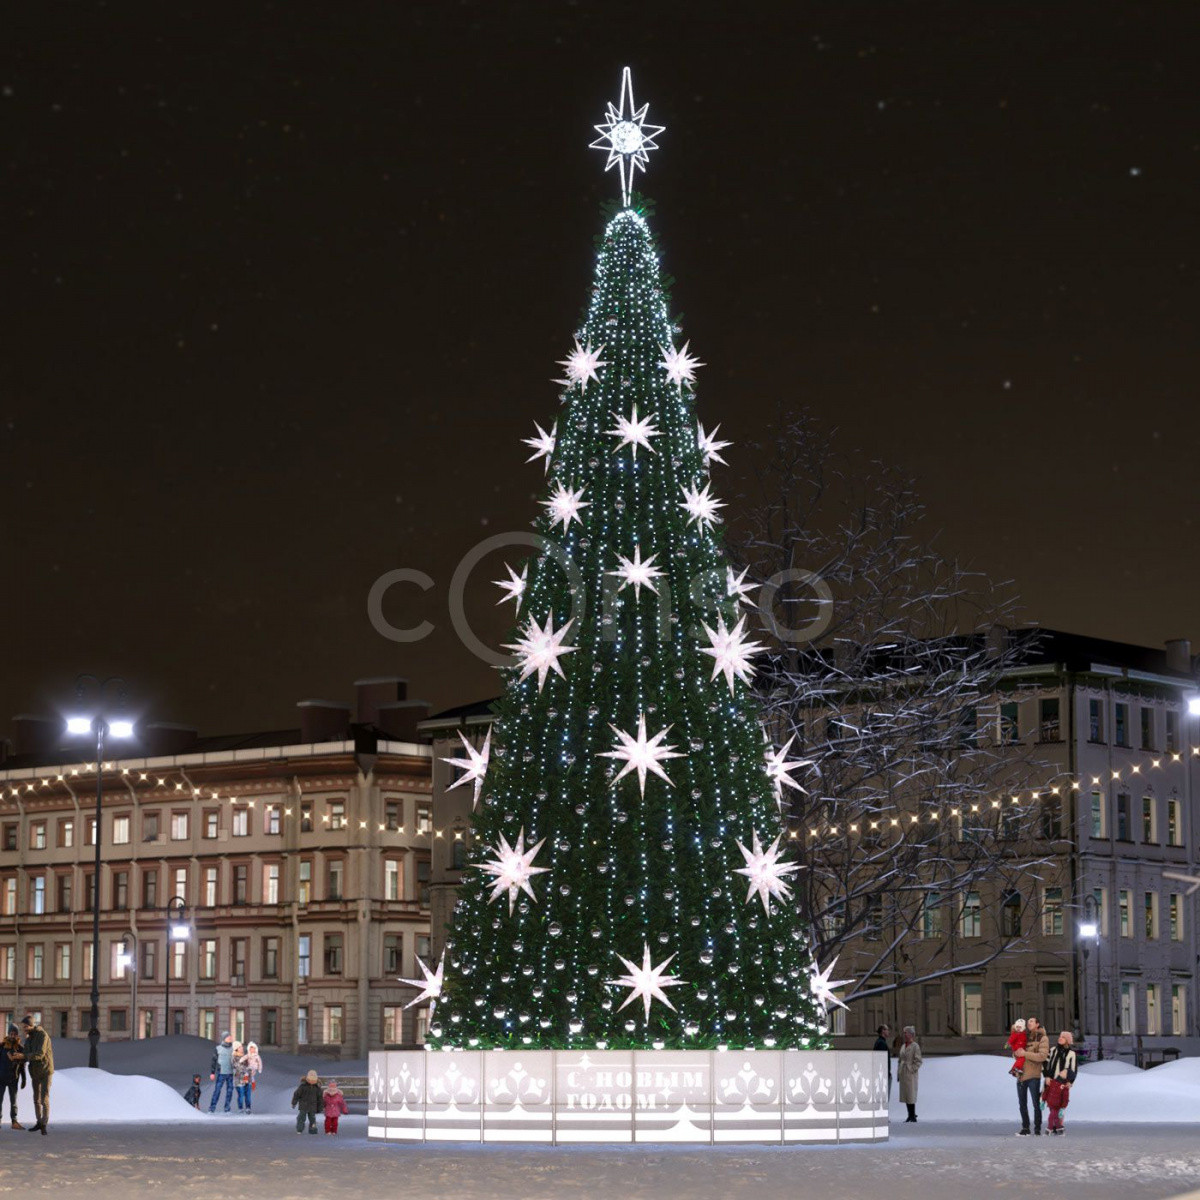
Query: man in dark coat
39	1054
12	1070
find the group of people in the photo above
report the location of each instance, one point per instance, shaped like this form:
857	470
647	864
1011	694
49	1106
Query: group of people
27	1058
309	1099
235	1070
1044	1075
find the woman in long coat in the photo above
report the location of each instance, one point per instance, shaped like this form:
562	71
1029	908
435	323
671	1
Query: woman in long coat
908	1063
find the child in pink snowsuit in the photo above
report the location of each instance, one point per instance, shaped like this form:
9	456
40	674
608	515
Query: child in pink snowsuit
335	1106
1016	1043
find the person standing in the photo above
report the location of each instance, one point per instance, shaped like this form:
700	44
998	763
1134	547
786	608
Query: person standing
881	1043
1029	1083
1061	1068
308	1101
335	1106
39	1055
908	1063
12	1070
253	1069
221	1069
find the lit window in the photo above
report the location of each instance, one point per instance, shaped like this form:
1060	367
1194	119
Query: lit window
120	831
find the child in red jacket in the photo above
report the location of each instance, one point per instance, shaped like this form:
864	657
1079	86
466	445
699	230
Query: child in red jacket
1016	1043
335	1106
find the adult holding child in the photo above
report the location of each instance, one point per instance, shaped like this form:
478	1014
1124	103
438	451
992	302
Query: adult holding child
1029	1082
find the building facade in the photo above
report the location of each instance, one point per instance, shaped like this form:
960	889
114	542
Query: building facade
295	865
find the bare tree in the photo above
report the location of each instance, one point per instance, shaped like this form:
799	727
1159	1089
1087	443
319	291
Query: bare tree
888	665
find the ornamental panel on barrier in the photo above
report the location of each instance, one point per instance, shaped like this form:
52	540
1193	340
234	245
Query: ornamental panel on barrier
657	1096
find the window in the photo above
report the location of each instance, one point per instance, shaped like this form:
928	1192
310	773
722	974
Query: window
208	1024
337	814
120	891
210	887
208	958
1175	916
1121	720
37	894
272	821
458	853
333	880
1100	899
118	967
1010	917
1049	729
271	1026
66	834
333	1024
1152	1008
10	896
90	839
238	1024
1172	741
149	888
304	889
333	954
120	831
1054	1004
971	920
149	826
423	945
1174	823
391	880
968	727
37	835
149	962
270	883
8	964
1010	723
118	1020
302	1025
392	943
62	962
306	824
1051	813
270	959
1149	820
241	822
90	899
423	881
424	819
1147	728
1095	720
1098	822
931	916
1011	996
10	836
179	827
304	958
390	1034
237	963
1150	907
1052	916
212	822
1123	913
241	884
392	817
1179	1009
181	882
178	950
972	1009
89	962
935	1008
36	962
1124	834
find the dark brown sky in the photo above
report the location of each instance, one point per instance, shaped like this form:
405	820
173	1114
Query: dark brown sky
285	291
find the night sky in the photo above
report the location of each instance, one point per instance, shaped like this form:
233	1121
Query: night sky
287	284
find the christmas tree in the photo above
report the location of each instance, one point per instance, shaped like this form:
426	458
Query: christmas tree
628	881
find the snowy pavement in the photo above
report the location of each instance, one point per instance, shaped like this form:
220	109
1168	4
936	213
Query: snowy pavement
262	1158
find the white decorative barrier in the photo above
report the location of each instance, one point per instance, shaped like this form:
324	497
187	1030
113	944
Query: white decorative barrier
707	1096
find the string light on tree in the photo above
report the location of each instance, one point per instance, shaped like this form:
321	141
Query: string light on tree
512	869
647	982
626	137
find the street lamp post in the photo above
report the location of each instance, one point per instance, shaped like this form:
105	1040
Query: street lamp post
129	962
1089	931
100	727
177	931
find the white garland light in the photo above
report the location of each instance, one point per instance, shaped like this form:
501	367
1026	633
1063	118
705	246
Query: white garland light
731	651
634	432
701	505
542	443
582	364
626	136
474	765
680	366
642	755
430	987
638	572
540	649
646	983
565	506
767	875
512	869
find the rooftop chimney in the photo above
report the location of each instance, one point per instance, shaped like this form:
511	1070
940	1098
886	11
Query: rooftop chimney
38	735
399	720
371	694
1179	655
323	720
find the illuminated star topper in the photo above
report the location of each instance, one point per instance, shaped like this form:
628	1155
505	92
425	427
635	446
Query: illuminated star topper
626	136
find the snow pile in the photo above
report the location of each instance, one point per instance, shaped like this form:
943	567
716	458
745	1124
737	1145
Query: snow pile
81	1095
977	1087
